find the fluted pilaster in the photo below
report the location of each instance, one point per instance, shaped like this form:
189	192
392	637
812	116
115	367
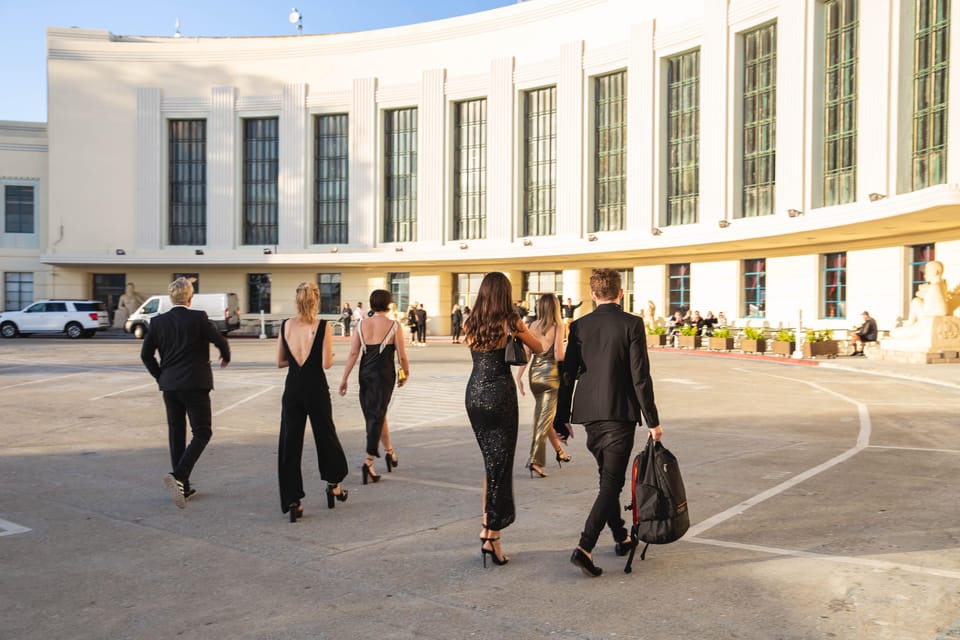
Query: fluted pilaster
642	212
432	221
363	163
570	140
292	176
500	131
149	214
222	221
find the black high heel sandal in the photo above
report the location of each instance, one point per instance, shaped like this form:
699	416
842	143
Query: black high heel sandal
498	560
368	474
390	457
331	496
295	510
562	457
535	470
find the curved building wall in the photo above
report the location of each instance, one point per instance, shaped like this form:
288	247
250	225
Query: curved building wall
690	213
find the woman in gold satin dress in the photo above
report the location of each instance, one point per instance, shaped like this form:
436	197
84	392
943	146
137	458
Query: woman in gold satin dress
545	381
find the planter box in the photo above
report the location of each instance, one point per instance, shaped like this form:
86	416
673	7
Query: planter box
656	339
782	348
826	348
689	342
721	344
753	346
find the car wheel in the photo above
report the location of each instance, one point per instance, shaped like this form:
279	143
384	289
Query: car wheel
139	331
8	330
74	330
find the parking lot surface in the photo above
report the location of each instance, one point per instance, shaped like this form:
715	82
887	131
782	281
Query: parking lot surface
823	503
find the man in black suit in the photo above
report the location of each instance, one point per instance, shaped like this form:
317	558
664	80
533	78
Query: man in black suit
183	337
421	325
607	358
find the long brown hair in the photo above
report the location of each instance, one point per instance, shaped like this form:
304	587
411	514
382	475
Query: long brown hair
485	327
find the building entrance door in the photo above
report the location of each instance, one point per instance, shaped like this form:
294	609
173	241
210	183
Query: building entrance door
107	288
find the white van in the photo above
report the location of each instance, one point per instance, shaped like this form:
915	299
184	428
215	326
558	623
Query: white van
223	309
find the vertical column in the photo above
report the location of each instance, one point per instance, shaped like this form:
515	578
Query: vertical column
876	59
642	212
221	170
501	177
149	220
292	176
570	161
953	92
576	286
431	210
714	104
363	163
791	127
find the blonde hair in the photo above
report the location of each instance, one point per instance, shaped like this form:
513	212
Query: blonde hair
548	312
308	301
181	291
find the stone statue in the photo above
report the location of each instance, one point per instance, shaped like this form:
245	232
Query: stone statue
930	299
129	302
930	333
650	315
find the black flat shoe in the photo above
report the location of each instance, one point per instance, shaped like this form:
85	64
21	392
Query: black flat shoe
623	547
332	497
582	560
295	510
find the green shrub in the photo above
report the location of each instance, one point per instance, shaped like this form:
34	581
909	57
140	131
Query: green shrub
721	332
753	333
656	331
688	330
819	335
786	335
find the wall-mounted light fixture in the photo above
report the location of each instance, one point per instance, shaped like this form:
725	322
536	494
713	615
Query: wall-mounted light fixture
724	224
398	248
793	213
464	245
267	251
121	252
199	252
656	231
591	237
877	196
527	242
334	249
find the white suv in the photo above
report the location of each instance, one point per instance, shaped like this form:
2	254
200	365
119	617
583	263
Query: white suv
76	318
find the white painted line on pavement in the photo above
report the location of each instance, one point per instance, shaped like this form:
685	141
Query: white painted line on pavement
8	528
446	418
806	555
117	393
247	399
437	483
863	440
42	380
880	446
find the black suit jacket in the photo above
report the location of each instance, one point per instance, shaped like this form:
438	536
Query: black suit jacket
183	337
607	359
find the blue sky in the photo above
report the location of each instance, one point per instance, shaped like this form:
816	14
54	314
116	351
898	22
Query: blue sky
23	24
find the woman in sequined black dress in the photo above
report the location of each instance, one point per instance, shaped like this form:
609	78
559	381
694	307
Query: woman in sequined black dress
491	402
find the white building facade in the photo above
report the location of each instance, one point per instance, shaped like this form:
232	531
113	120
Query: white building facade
760	158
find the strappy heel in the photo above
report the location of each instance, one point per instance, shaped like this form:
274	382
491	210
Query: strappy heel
534	469
562	457
333	497
390	457
368	474
498	559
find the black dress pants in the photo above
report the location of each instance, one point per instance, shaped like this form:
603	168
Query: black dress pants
611	443
180	405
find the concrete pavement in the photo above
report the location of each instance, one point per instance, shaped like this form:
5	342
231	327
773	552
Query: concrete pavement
823	502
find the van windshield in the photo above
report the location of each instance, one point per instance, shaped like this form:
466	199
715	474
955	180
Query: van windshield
150	306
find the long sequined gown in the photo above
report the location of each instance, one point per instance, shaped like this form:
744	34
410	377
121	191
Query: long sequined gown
307	394
378	375
544	385
491	401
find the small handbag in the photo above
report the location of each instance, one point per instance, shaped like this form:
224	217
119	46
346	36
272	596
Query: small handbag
514	353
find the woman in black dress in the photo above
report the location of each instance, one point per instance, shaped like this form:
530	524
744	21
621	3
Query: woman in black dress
491	401
380	340
305	347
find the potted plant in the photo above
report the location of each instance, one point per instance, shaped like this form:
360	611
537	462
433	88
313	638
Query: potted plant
656	336
753	340
819	343
721	339
784	342
688	337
